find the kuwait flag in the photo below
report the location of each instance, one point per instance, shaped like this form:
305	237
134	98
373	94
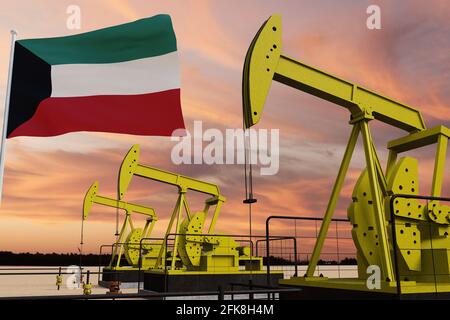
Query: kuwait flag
122	79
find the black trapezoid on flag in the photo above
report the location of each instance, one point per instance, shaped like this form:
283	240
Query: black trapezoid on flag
31	83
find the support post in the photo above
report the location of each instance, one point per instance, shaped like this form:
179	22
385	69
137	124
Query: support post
381	178
118	250
161	256
392	158
333	201
214	217
177	231
6	113
439	165
386	266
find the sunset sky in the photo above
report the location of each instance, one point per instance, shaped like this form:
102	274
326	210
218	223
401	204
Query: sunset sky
408	60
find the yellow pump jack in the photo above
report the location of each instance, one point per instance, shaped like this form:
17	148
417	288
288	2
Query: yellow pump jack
128	241
191	256
405	235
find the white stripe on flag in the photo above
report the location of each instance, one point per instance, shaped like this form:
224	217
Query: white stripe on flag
140	76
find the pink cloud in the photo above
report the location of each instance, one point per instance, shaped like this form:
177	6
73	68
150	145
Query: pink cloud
407	59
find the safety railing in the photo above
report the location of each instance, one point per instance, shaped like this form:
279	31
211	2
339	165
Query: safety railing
140	266
268	240
282	247
305	236
100	256
115	247
241	240
219	294
70	271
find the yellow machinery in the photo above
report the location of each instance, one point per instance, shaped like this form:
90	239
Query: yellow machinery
191	256
195	247
409	241
129	238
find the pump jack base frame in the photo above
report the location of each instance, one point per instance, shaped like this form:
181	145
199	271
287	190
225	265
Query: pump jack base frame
122	274
197	281
346	289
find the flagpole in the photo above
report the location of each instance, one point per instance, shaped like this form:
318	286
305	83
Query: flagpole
6	113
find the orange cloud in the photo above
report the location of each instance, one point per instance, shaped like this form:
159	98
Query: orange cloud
408	59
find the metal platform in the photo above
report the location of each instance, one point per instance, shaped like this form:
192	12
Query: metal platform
124	275
351	289
161	281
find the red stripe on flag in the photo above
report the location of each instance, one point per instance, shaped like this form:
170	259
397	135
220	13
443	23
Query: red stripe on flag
155	114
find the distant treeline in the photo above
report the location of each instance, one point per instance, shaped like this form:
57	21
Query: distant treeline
8	258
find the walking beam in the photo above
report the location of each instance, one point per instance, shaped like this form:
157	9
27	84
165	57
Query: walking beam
265	62
92	197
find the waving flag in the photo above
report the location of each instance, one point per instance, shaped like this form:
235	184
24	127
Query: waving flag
122	79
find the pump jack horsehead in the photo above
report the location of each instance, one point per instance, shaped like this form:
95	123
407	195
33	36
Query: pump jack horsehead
405	240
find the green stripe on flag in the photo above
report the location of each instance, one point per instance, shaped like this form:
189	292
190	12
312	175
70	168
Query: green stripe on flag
143	38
